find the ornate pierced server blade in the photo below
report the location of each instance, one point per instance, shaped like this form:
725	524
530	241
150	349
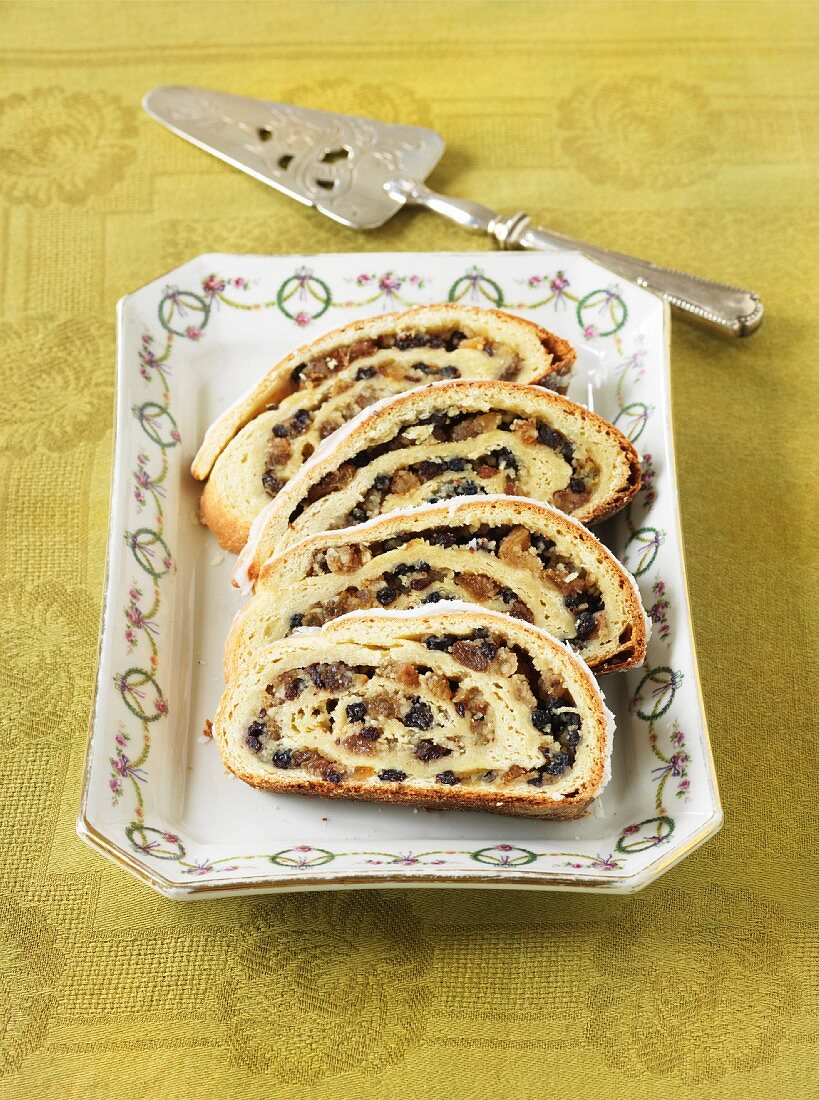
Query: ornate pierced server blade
337	163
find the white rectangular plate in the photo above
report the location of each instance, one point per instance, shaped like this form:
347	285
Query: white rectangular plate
157	798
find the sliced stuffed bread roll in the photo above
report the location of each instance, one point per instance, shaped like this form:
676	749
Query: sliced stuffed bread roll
252	450
452	439
451	707
508	554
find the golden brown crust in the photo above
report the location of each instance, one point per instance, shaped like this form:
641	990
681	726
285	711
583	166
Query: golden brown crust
276	383
447	798
464	394
231	531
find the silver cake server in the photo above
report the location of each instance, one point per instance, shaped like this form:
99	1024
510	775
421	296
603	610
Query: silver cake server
360	172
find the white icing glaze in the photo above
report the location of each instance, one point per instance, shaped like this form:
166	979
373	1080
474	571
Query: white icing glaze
241	572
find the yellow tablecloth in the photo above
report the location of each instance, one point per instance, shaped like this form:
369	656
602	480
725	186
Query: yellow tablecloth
681	132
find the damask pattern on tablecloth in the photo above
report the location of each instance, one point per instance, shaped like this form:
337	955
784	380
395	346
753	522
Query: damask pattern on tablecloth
688	139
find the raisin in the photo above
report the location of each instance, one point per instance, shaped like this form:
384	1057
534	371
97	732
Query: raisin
296	373
427	750
428	469
550	437
369	733
332	776
460	710
364	372
471	655
359	514
463	487
253	743
386	596
577	485
294	689
441	643
556	440
454	340
403	481
586	601
280	431
358	744
467	488
506	459
392	775
419	716
557	764
257	729
457	464
507	595
519	610
315	674
542	719
594	601
271	483
450	372
381	482
585	624
296	621
279	452
472	426
404	673
356	712
569	719
385	705
433	597
448	778
332	482
478	585
418	584
488	349
570	739
441	538
282	758
331	677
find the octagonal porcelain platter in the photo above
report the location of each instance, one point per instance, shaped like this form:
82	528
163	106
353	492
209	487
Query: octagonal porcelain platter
156	797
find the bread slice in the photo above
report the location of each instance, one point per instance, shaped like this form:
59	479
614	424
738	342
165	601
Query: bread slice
454	706
451	439
509	554
252	449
